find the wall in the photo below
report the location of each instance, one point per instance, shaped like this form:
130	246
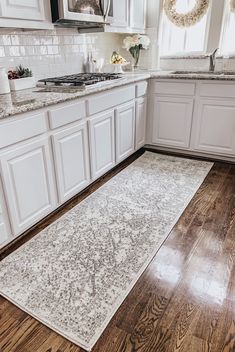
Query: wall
54	52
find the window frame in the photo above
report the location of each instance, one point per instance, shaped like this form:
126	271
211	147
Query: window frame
224	24
213	34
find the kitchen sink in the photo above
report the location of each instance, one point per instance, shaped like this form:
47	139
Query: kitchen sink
214	73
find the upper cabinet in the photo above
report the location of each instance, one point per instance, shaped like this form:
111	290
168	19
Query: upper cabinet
121	13
138	15
33	14
129	16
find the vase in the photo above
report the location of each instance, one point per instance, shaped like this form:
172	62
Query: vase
135	53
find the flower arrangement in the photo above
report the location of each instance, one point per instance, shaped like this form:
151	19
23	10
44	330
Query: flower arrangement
188	19
134	44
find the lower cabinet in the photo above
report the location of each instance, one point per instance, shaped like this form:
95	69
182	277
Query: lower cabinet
102	143
4	225
214	129
125	131
140	124
28	181
71	154
172	120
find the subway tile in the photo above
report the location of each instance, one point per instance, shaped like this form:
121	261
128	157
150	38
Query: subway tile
6	39
2	51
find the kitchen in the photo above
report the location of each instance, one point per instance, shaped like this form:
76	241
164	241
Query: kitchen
117	192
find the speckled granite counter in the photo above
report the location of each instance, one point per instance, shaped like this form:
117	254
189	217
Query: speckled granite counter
192	75
32	99
36	98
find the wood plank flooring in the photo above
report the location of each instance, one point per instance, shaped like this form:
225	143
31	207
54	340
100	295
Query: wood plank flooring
184	301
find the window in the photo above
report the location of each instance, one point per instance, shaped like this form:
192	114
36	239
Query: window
175	40
227	42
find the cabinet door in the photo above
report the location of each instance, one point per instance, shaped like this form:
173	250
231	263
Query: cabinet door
215	127
141	111
4	223
125	131
71	160
172	120
138	14
29	183
23	9
121	13
102	145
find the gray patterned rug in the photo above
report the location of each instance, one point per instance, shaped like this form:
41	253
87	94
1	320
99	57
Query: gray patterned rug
74	275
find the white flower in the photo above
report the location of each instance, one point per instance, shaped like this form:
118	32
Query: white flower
136	40
144	41
128	43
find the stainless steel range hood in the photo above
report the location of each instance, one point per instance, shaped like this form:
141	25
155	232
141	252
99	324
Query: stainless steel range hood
90	15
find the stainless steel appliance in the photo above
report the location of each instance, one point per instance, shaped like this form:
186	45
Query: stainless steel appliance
79	81
82	13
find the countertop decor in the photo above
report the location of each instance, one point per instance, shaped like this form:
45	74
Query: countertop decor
135	44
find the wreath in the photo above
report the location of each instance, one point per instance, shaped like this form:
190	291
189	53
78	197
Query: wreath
233	6
190	18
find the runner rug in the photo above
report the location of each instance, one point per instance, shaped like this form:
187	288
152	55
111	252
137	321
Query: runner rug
75	274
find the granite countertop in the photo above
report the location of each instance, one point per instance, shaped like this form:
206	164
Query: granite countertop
192	75
36	98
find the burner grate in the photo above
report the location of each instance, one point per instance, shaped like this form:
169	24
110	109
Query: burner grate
82	79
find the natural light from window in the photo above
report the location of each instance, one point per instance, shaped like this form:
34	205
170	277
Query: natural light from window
176	40
227	43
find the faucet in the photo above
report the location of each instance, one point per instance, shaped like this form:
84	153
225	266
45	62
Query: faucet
212	60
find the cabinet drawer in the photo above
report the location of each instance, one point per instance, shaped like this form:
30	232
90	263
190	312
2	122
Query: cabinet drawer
141	89
110	99
19	130
174	88
70	113
217	90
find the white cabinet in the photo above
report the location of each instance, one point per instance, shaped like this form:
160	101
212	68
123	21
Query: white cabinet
4	222
102	143
25	14
141	112
23	9
214	129
28	183
71	154
138	14
120	13
3	230
125	131
172	119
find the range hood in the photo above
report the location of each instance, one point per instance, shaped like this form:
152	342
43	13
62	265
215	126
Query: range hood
90	15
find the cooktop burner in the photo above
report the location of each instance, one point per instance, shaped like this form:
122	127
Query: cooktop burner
81	79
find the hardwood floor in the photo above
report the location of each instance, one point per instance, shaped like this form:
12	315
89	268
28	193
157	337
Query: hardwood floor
184	301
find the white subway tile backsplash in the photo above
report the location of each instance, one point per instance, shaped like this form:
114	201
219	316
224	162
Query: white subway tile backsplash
55	52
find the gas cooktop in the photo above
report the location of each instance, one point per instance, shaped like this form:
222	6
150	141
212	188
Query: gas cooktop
81	80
